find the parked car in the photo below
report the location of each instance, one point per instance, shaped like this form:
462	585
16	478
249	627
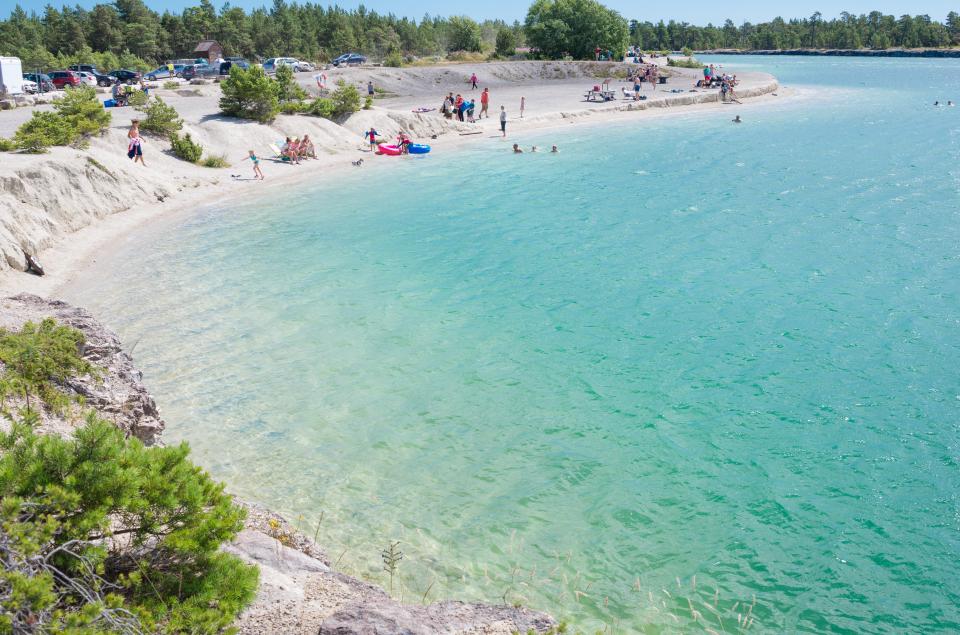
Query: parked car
87	78
164	72
237	61
350	59
270	66
103	79
303	67
29	87
200	70
42	80
127	76
65	79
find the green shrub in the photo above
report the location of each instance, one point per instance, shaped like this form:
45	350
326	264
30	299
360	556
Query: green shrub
346	99
215	161
393	59
84	112
171	85
184	147
294	107
684	63
286	87
161	118
687	51
249	94
63	499
506	42
7	145
368	103
322	107
137	98
42	130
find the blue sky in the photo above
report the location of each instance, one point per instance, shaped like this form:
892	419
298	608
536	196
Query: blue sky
694	11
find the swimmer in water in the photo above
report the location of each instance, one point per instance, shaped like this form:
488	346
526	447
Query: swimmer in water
516	149
949	103
554	150
737	119
533	148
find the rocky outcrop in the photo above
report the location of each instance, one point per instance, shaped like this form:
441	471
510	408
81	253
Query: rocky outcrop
302	595
117	392
299	591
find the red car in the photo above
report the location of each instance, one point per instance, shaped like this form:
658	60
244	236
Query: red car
65	79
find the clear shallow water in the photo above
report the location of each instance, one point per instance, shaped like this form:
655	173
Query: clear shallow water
679	349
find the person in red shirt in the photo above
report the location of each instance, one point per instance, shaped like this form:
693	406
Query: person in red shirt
596	53
484	102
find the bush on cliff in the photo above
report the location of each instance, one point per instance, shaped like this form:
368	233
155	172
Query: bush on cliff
160	118
99	534
185	148
346	99
76	116
286	87
249	94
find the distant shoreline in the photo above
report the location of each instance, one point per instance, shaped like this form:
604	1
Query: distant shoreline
934	53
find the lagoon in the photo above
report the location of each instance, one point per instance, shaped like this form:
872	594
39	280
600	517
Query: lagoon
684	363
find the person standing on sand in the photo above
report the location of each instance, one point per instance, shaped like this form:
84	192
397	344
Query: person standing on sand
372	137
484	102
503	121
370	88
596	54
523	103
473	81
134	143
171	70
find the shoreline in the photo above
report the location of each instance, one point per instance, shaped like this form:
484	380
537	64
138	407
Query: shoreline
920	52
72	254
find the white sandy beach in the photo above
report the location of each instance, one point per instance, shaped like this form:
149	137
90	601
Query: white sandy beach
71	206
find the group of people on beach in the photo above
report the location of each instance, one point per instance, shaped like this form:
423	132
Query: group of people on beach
295	149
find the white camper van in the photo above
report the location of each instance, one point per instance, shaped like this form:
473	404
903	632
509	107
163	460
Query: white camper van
11	76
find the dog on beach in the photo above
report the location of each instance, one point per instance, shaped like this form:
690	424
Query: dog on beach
357	163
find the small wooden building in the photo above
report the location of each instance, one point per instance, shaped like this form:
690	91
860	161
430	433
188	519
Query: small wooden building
209	50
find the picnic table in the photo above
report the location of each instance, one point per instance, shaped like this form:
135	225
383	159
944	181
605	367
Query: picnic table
600	95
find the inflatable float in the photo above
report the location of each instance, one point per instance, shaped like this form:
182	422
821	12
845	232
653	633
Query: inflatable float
388	149
394	150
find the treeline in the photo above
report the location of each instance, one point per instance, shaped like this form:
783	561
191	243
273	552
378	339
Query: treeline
129	28
128	33
874	30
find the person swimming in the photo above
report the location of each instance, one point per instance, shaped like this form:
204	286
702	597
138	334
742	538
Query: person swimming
949	103
533	148
554	150
517	149
737	119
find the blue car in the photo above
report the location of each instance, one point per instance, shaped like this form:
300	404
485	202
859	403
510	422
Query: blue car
164	72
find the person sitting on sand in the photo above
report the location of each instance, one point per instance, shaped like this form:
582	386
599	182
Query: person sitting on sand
289	150
554	150
307	149
256	165
119	98
517	149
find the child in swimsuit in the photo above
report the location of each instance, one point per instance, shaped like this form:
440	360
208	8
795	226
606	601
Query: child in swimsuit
256	166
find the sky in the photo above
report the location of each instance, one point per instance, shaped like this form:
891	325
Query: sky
698	12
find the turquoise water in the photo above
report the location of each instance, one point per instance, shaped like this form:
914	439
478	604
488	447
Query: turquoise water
684	364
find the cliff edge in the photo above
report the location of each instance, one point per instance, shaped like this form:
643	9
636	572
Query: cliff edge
299	591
